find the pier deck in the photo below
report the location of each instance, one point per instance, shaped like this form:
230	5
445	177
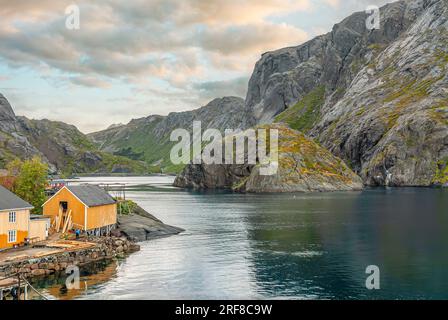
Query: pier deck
50	248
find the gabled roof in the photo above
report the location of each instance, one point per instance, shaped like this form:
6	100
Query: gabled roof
91	195
9	201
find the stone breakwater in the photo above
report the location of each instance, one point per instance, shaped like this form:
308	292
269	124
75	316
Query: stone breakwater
105	248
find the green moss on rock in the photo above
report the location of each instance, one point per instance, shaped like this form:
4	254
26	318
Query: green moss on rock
304	114
441	175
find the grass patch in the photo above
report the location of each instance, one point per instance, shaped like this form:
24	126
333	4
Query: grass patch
126	207
441	175
439	113
409	93
129	153
304	114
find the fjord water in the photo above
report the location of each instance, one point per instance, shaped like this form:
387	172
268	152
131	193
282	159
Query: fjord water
293	246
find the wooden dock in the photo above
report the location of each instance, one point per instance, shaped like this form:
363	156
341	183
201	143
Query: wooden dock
9	288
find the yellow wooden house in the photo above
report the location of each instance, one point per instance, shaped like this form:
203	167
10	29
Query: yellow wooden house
91	208
16	224
14	219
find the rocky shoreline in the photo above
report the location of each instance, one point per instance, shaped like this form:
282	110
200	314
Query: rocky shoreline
135	227
140	225
105	248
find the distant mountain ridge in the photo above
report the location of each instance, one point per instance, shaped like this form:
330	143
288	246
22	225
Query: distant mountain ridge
148	138
62	146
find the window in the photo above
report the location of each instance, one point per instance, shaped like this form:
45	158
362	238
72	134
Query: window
12	236
12	217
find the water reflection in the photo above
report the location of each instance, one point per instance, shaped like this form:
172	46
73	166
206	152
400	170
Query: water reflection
329	240
91	277
284	246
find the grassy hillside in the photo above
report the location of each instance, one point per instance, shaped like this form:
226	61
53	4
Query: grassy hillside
138	142
148	139
305	113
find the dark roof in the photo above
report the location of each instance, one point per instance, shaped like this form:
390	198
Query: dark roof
91	195
38	217
9	200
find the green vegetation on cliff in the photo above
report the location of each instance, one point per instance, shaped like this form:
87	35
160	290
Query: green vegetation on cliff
141	144
441	176
305	113
302	166
148	139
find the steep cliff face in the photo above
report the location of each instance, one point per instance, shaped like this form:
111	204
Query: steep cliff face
148	138
392	122
62	146
283	77
377	99
7	116
13	143
303	166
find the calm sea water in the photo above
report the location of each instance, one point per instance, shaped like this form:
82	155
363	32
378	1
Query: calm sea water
288	246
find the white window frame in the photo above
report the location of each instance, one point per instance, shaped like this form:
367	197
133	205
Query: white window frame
12	236
12	217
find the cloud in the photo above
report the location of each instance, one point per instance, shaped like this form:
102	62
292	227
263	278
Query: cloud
210	12
213	89
355	5
248	39
157	56
26	10
333	3
134	40
90	82
230	12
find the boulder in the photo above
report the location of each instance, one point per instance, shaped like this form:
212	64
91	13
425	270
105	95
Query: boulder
38	272
141	226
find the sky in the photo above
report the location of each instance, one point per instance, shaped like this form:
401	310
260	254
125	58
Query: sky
134	58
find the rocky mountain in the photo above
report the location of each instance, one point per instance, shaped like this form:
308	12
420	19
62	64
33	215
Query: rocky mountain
282	78
12	142
62	146
148	138
375	98
303	166
7	116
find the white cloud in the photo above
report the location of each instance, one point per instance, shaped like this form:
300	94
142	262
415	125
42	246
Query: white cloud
161	55
333	3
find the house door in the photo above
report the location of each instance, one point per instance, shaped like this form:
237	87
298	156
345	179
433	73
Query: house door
63	205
